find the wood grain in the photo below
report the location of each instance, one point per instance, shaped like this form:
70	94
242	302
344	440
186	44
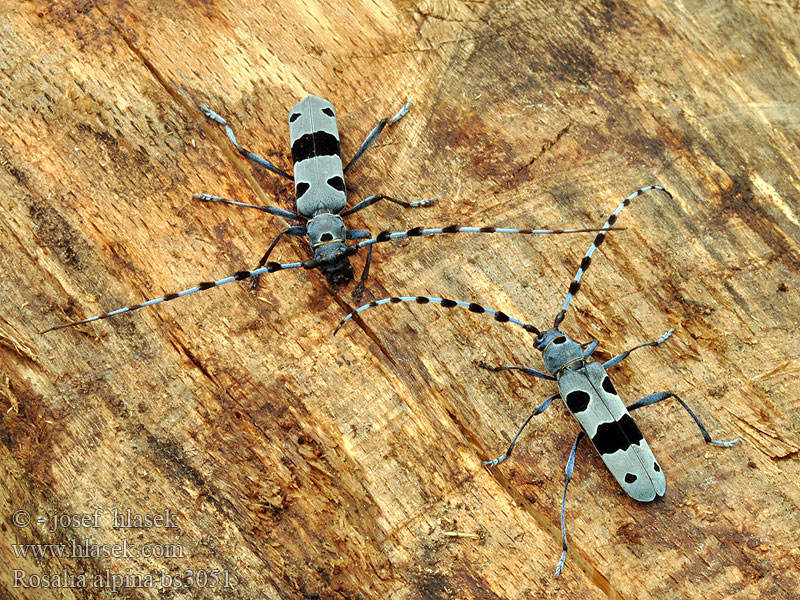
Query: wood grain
308	466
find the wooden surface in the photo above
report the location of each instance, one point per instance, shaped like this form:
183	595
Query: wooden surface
307	466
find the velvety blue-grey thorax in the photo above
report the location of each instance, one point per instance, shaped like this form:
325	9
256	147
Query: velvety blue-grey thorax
559	351
318	175
325	230
326	235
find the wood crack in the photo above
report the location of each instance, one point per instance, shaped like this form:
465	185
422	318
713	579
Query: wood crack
545	148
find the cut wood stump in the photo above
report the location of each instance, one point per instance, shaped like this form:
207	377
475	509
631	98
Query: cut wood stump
257	456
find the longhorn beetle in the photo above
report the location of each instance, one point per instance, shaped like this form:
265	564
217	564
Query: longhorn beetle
320	193
320	197
587	392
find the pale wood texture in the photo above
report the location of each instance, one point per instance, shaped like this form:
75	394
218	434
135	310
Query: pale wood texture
309	466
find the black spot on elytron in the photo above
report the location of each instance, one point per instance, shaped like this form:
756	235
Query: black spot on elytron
616	435
577	401
656	468
327	111
560	340
326	237
300	189
336	183
319	143
630	429
608	386
294	117
630	478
